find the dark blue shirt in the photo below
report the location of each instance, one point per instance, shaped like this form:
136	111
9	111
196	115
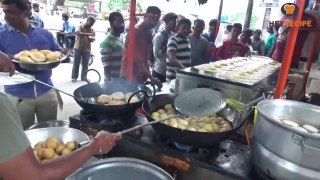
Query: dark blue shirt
12	42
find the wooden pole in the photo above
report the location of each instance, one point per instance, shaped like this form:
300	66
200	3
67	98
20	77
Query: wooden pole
131	40
288	51
248	14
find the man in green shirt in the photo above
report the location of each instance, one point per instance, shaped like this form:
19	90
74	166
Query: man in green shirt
270	41
112	47
17	160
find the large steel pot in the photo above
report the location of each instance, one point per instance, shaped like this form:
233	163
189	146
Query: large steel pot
283	152
120	169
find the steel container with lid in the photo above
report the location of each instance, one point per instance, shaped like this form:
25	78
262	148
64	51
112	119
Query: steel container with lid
282	151
120	169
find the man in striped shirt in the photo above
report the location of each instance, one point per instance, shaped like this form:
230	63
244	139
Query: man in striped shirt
112	47
179	50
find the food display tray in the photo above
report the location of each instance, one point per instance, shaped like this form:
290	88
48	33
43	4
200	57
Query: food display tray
219	75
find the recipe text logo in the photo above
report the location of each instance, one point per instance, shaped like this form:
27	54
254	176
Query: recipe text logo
290	9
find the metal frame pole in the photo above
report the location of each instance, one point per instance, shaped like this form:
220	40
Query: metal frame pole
131	40
288	51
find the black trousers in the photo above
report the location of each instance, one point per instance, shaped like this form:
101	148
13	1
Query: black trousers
159	76
66	40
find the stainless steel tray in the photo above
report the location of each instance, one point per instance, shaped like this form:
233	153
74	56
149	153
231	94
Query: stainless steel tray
120	169
196	72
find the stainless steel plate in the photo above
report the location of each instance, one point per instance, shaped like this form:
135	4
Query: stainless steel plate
62	133
120	169
40	66
200	102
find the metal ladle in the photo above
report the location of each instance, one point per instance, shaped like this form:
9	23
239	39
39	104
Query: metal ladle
48	85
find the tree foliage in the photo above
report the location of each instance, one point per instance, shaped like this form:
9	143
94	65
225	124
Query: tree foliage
115	5
240	17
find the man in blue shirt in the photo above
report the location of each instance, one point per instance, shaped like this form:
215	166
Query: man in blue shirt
67	34
17	35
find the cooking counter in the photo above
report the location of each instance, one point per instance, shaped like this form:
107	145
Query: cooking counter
242	79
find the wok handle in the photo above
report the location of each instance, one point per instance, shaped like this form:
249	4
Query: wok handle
95	72
147	124
139	91
153	87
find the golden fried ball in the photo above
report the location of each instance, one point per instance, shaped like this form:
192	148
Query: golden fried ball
71	145
168	107
155	114
59	148
104	99
40	145
161	111
163	116
66	151
52	143
45	153
170	112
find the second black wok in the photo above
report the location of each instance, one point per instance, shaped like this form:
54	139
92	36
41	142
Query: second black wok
186	137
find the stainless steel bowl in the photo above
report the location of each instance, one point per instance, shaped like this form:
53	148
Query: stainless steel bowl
120	169
50	124
62	133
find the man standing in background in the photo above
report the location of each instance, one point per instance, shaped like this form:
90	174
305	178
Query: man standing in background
179	50
67	34
160	42
35	17
112	47
232	47
82	48
200	52
142	51
210	35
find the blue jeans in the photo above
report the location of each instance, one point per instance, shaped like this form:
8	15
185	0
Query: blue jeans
83	57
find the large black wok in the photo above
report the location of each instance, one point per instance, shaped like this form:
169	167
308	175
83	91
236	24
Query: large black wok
186	137
86	96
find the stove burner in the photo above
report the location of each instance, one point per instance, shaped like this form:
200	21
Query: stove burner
88	121
126	119
184	150
182	147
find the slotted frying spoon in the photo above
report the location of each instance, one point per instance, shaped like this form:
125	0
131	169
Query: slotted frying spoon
200	102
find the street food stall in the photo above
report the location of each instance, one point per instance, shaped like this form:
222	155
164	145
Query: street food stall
283	145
